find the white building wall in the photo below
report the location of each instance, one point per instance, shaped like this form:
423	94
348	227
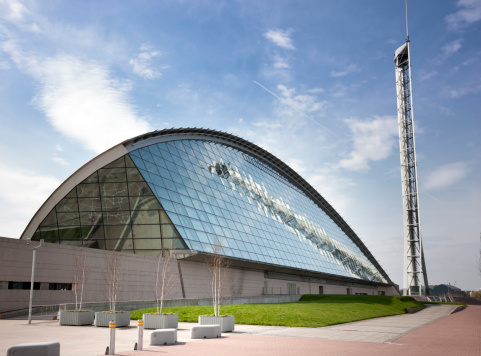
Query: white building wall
55	264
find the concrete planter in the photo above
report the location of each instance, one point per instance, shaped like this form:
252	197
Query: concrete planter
161	321
227	323
121	319
70	317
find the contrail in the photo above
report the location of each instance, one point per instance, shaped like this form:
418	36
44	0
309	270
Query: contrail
293	108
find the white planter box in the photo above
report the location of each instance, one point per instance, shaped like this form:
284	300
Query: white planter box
76	317
227	323
161	321
121	319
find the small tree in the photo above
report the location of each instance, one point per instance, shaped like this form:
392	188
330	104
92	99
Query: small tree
163	280
113	269
219	268
80	274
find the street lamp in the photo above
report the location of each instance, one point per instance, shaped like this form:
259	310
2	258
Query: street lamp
31	280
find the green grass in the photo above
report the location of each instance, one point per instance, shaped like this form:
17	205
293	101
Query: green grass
310	311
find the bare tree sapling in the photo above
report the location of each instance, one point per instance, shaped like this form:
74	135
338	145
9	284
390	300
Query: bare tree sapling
163	280
219	270
80	274
114	270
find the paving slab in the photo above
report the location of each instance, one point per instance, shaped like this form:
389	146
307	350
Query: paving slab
379	336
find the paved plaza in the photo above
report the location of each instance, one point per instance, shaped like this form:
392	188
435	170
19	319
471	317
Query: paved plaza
432	331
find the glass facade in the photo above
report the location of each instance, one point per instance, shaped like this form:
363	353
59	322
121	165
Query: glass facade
113	209
204	196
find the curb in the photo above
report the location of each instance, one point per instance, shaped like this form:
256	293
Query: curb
458	309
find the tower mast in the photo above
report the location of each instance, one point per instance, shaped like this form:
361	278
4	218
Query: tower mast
415	274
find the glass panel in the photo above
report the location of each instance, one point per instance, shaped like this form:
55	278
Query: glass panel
112	175
99	244
169	231
72	194
116	218
97	233
113	189
71	233
115	203
50	220
144	203
89	204
90	218
148	244
128	162
118	244
118	232
68	219
146	231
88	190
176	244
117	163
133	175
164	219
139	188
145	217
49	235
92	179
67	205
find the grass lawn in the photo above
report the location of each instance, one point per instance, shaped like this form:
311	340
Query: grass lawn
310	311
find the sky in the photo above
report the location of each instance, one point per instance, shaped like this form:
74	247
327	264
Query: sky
312	82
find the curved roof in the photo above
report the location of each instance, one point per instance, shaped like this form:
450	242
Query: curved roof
275	163
199	134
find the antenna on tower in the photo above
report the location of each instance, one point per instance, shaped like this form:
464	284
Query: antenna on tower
407	26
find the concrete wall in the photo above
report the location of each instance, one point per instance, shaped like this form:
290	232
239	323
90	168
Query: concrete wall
56	264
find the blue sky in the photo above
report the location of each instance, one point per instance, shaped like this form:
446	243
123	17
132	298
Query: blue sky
310	81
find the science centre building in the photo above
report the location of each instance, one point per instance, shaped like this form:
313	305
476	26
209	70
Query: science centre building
189	193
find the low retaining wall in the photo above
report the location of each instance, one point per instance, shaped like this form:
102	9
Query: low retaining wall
143	304
133	305
414	310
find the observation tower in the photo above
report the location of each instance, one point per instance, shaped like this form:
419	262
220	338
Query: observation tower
415	274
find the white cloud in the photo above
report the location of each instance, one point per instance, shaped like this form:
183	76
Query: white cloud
451	47
142	63
331	185
268	125
23	193
455	93
469	12
281	62
81	99
446	110
372	141
340	90
4	65
301	102
426	76
280	38
446	176
316	90
60	161
13	10
16	13
348	70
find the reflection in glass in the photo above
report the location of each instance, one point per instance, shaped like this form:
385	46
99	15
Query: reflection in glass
234	196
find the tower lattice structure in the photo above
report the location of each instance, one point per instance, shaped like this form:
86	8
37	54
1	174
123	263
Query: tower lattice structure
415	274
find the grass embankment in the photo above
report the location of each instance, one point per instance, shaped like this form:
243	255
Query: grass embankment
310	311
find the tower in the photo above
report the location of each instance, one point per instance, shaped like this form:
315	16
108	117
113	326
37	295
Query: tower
415	274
